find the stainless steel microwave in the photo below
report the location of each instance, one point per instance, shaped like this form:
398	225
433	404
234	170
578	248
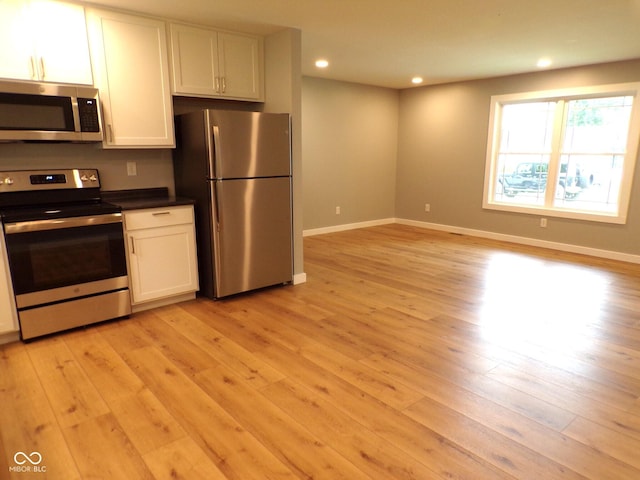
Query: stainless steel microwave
49	112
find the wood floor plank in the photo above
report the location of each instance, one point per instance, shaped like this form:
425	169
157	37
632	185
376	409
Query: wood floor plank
429	380
234	451
218	346
27	421
181	351
390	424
566	395
522	429
513	458
146	421
373	453
182	459
615	444
375	383
71	393
277	330
95	444
408	354
106	370
293	444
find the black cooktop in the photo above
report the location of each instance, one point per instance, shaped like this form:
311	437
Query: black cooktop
29	195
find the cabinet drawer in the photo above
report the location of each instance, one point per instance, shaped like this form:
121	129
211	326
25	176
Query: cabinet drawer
157	217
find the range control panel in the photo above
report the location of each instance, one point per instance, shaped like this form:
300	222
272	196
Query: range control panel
63	179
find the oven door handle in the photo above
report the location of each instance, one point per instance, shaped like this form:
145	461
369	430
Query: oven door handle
60	223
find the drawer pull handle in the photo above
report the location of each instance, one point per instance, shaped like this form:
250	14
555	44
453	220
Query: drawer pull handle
157	214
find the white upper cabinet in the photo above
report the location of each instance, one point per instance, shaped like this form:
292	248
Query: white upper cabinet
43	40
209	63
131	69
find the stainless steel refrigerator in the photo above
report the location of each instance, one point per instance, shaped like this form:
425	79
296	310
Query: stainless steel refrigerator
237	167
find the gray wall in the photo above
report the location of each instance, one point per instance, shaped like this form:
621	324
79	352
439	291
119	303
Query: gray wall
349	147
283	85
154	167
350	156
442	152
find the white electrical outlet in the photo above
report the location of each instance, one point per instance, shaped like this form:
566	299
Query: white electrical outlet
427	207
337	210
543	222
132	169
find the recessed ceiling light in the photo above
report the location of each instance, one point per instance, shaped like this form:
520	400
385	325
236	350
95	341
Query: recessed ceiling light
417	80
544	63
322	63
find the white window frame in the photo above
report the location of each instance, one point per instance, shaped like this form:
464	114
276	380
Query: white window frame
630	157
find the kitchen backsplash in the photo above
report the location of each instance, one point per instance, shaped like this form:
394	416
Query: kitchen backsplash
154	168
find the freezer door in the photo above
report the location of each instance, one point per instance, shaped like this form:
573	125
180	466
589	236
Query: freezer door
250	144
252	238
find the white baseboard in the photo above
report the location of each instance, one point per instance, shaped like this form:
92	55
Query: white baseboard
299	278
564	247
347	226
162	302
534	242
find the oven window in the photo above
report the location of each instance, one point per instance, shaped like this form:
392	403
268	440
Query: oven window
59	258
55	262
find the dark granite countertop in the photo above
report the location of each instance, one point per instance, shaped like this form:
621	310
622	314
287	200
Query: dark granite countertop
144	198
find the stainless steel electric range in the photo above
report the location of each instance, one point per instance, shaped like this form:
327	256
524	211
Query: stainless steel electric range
65	248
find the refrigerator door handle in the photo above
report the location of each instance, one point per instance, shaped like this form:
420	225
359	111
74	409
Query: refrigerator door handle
214	163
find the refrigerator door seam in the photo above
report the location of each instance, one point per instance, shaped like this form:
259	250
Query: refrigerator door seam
215	236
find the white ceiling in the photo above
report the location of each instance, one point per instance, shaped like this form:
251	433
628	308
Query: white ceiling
385	42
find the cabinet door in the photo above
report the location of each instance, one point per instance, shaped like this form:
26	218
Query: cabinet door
45	41
194	57
131	69
208	63
17	55
62	46
240	66
162	262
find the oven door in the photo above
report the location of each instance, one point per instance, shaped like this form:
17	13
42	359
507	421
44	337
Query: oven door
59	259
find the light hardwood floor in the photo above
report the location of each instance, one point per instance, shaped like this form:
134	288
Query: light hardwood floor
408	354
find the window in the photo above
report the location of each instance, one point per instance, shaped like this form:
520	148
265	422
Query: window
568	153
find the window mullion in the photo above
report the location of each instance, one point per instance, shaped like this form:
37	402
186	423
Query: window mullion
559	122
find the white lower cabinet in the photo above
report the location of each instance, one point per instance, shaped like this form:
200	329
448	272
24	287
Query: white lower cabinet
161	255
